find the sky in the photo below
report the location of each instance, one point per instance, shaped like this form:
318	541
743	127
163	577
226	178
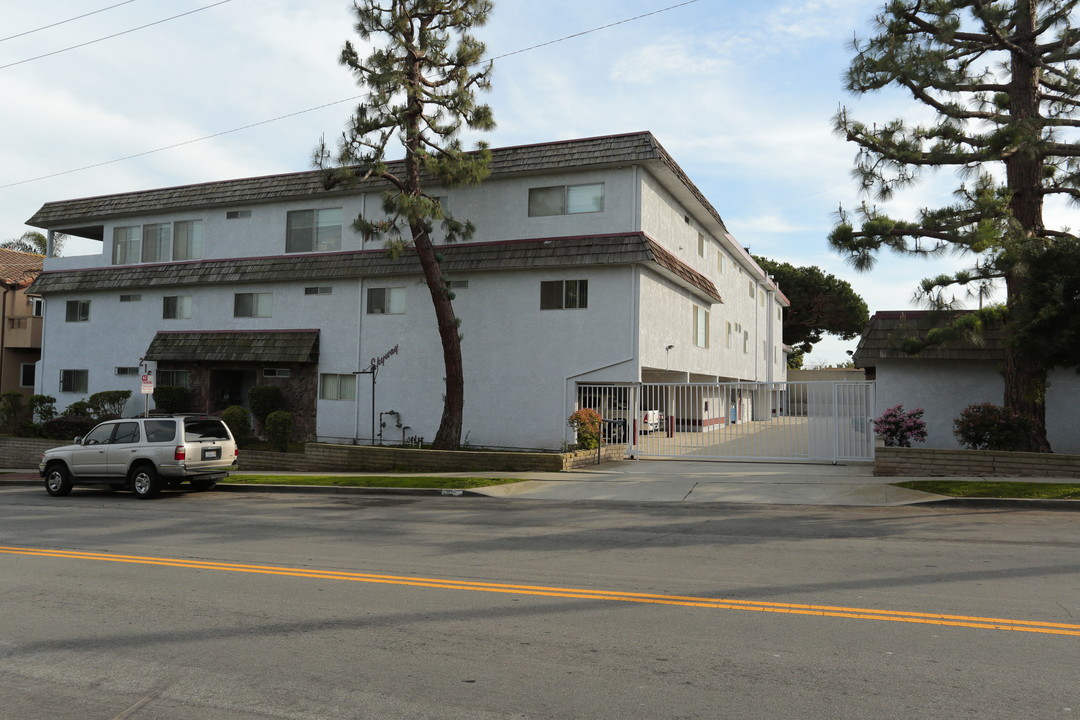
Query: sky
740	92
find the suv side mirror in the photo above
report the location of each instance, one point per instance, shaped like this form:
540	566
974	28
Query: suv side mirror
78	440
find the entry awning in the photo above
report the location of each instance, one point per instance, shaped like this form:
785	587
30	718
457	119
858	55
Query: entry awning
273	346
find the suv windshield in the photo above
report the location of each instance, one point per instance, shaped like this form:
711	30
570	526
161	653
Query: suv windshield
195	430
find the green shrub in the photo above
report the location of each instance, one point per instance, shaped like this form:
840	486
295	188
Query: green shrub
991	427
109	403
79	408
67	427
279	426
11	411
239	421
43	407
265	399
586	423
172	399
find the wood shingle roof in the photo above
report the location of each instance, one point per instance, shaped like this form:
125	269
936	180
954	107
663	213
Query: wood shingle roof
274	346
587	153
594	250
883	338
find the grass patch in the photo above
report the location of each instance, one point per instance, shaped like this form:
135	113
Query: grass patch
997	489
379	481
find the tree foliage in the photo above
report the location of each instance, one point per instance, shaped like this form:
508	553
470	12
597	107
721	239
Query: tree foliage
820	303
1002	84
421	93
35	242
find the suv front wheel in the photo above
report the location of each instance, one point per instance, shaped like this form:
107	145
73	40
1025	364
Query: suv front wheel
145	482
57	480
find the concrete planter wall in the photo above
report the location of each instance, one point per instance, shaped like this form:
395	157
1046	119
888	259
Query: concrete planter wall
973	463
26	452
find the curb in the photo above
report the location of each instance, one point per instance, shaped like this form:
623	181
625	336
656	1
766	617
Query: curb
1005	503
346	490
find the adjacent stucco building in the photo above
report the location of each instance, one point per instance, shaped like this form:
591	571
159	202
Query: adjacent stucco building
594	260
946	379
20	333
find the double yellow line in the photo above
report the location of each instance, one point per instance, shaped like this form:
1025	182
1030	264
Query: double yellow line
981	623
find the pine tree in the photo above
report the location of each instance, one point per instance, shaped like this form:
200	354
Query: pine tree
1002	82
421	92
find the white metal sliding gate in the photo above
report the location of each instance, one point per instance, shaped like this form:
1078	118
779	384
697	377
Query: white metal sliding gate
822	421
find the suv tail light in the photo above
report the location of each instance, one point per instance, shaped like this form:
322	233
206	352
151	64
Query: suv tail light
180	453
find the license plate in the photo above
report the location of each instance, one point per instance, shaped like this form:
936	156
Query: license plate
213	453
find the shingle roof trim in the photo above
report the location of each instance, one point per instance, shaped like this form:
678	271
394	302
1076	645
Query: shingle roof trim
887	329
618	249
298	346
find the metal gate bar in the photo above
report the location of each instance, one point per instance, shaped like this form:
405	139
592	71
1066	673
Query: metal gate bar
737	421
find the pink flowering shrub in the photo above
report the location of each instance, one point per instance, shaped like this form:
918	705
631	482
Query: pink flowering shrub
586	423
900	428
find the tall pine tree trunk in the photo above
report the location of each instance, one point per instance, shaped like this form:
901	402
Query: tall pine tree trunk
1025	380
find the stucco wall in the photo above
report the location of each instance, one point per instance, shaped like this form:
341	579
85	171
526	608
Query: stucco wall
944	388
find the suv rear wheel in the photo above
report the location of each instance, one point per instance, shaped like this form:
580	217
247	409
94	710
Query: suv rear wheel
57	480
145	482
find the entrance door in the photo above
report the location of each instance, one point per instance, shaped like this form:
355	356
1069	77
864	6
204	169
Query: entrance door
229	387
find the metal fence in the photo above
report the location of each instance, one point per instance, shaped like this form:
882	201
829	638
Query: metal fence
829	421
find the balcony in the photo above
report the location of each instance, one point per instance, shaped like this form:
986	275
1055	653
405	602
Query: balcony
22	331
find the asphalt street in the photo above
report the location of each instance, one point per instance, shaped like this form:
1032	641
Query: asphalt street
221	605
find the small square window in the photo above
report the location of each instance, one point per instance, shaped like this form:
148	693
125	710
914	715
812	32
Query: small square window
252	304
130	298
37	307
321	290
276	372
176	307
386	301
237	214
127	371
74	381
78	311
564	294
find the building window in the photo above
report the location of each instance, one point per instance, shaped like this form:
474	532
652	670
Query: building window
746	341
127	371
27	375
458	284
386	301
237	214
172	378
701	327
761	298
126	243
337	387
277	372
252	304
321	290
720	261
176	307
74	381
753	289
156	242
130	298
187	240
566	200
727	340
313	230
78	311
700	245
564	294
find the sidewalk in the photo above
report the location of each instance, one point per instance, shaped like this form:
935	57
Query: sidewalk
673	481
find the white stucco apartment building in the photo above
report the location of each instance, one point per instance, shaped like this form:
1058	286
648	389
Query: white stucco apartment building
594	261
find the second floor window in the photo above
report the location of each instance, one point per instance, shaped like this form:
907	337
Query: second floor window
701	327
564	294
386	301
158	242
566	199
313	230
78	311
176	307
252	304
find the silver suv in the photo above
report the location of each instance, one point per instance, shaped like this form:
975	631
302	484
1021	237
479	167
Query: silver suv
144	455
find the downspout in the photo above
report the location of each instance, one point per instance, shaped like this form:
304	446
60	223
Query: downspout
3	331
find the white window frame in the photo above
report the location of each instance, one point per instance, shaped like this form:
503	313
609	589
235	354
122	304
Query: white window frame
568	203
261	305
181	309
388	300
337	386
324	226
701	327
